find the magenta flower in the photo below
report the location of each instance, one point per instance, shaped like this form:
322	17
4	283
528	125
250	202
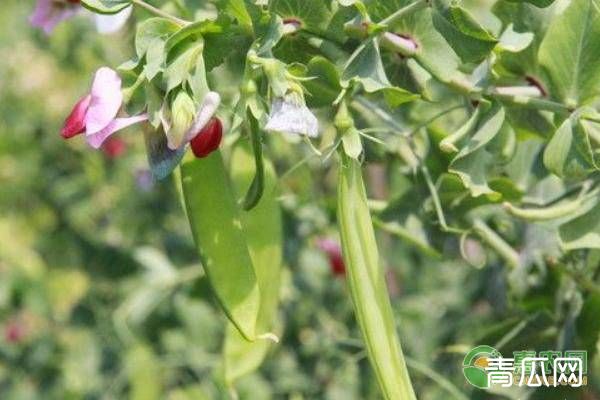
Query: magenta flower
96	113
334	253
49	13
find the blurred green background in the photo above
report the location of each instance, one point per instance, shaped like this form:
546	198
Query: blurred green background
102	295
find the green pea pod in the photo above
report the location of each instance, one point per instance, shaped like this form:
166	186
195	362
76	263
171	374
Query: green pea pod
561	210
256	189
367	284
220	239
263	230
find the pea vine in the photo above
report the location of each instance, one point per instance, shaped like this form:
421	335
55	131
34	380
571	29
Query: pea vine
489	114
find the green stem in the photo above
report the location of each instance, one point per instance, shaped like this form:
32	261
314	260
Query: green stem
496	242
531	102
442	382
159	12
404	11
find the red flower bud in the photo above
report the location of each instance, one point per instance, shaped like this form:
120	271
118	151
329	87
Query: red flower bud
75	122
114	147
208	139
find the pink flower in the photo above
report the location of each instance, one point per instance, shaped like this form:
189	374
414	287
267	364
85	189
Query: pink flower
49	13
96	113
334	253
114	147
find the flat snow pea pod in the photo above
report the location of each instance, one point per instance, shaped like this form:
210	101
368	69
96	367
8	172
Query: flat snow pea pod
220	239
367	284
263	230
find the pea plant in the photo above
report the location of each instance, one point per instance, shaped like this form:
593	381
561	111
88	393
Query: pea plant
484	113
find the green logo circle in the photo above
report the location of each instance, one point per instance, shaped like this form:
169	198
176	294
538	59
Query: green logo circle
474	365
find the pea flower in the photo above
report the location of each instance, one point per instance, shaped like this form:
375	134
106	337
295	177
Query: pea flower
49	13
187	123
107	24
334	254
289	114
114	148
96	113
208	139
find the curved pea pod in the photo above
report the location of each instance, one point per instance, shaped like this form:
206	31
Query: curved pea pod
564	209
220	239
262	225
367	285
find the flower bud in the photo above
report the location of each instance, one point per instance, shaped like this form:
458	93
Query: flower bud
401	44
183	111
208	139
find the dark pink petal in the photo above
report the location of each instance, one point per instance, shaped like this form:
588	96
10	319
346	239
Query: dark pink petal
106	100
49	13
114	147
208	139
75	122
334	253
96	139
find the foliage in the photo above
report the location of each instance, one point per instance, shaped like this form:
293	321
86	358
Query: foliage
473	124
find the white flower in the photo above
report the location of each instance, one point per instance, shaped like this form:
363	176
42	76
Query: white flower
290	115
107	24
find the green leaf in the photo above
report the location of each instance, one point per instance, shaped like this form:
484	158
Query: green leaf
312	14
582	232
192	33
106	6
178	71
265	242
237	9
569	52
513	41
468	38
155	58
365	66
434	53
367	285
472	162
325	86
150	30
569	154
221	241
395	96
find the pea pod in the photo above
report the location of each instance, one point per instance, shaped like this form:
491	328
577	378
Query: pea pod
263	230
220	239
560	210
367	284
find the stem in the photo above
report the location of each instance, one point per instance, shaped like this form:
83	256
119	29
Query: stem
437	204
437	378
404	11
496	242
530	102
159	12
